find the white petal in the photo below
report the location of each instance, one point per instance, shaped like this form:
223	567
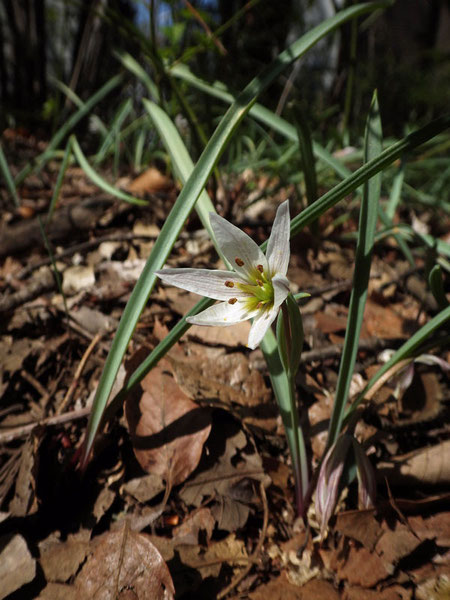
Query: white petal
260	325
206	283
280	290
278	245
222	314
235	244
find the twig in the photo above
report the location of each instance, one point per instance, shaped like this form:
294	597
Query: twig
79	371
23	430
36	384
237	580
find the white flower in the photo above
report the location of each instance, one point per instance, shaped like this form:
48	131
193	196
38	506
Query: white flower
254	290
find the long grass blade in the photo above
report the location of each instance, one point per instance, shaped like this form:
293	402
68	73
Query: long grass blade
364	247
67	127
98	180
4	168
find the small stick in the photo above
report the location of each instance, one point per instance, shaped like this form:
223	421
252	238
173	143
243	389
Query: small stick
23	430
79	371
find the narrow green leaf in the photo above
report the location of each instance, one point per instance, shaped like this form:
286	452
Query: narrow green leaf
364	247
4	168
95	177
67	127
436	283
261	113
59	181
407	350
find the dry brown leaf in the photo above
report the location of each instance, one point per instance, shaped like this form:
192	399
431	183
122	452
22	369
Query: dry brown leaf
167	429
360	525
282	589
429	466
24	502
188	532
436	527
360	567
227	380
228	475
57	591
150	181
124	562
60	560
17	566
393	592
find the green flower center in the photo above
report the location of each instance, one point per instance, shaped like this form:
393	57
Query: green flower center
260	289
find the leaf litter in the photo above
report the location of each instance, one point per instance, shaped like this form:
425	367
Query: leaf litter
192	492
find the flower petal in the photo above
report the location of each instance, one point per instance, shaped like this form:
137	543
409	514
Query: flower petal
206	283
260	325
235	244
222	314
278	246
280	290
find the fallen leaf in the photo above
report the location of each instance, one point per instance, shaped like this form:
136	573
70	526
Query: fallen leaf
360	525
17	566
167	429
121	562
228	474
144	488
151	181
60	560
227	380
57	591
282	589
428	466
24	502
188	532
393	592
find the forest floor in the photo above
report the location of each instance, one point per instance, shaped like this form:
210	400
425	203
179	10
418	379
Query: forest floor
190	486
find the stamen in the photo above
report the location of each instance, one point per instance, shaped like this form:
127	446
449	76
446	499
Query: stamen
232	301
239	262
259	282
260	305
260	268
229	284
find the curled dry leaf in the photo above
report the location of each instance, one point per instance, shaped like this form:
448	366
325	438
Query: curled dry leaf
167	429
124	564
429	466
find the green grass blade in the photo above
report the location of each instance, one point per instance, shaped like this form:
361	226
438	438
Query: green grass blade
134	67
59	181
67	127
120	116
368	170
181	159
410	348
4	168
436	283
80	104
95	177
262	114
364	247
187	198
396	190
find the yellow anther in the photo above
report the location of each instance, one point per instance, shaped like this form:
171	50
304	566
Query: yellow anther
232	301
229	284
239	262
